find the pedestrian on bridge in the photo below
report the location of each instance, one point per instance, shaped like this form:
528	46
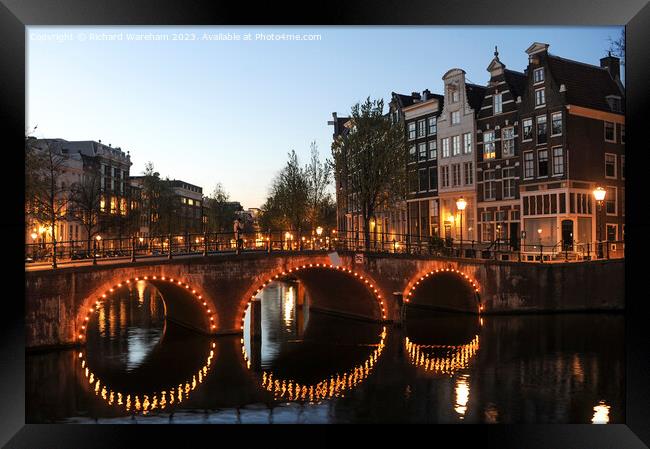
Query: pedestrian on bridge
238	228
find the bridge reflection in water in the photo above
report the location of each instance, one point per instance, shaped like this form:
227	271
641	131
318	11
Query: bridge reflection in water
313	367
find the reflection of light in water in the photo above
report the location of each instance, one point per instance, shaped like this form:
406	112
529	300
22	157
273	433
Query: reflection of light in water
577	370
332	387
601	413
139	343
491	414
102	322
289	302
462	394
143	403
140	286
442	359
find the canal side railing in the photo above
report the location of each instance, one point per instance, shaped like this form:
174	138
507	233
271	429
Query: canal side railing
210	243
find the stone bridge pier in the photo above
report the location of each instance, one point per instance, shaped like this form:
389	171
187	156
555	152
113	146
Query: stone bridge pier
211	294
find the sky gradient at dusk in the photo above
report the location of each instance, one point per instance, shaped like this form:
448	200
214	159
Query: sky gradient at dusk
208	111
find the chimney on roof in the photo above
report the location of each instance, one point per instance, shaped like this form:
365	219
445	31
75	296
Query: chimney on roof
415	96
612	64
426	94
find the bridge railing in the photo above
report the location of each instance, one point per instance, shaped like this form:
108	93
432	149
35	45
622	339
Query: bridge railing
169	246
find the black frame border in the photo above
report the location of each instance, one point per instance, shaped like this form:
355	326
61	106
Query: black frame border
15	15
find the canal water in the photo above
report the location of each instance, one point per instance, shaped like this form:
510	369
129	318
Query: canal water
310	367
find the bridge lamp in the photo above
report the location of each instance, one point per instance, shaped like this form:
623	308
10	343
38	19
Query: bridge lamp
460	205
599	195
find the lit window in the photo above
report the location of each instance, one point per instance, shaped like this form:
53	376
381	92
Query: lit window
540	98
488	145
498	103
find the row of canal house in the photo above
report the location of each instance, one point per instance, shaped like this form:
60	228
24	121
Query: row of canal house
525	152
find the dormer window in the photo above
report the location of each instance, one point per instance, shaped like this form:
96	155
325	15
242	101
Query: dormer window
538	75
614	102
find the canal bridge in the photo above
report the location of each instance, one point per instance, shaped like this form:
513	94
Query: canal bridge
211	293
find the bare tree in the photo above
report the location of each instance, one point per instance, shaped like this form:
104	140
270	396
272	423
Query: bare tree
617	46
49	195
318	176
85	200
220	212
372	156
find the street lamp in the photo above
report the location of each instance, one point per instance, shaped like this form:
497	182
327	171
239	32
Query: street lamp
98	238
319	230
599	195
460	205
34	236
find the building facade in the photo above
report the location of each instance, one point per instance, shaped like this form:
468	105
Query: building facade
498	164
456	155
420	114
572	127
82	160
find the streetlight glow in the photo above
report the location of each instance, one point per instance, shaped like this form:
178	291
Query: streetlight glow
599	193
98	237
461	203
319	230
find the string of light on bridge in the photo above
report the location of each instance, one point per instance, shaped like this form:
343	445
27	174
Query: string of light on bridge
373	288
81	337
474	284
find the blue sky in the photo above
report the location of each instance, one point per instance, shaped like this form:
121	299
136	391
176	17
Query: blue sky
208	111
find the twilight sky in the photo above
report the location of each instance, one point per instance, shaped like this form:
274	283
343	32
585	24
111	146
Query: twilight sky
212	110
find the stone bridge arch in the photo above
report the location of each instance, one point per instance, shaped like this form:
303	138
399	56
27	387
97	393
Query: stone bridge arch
444	286
184	303
344	287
